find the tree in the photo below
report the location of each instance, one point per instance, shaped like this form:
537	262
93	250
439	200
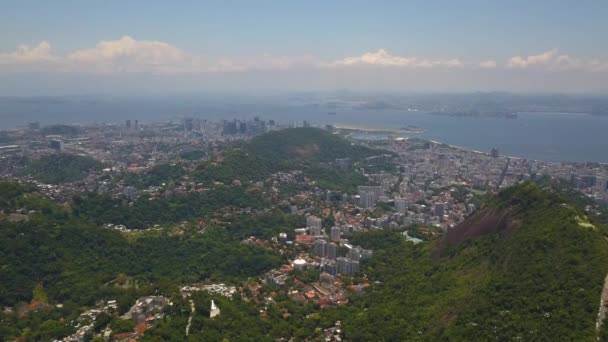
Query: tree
39	295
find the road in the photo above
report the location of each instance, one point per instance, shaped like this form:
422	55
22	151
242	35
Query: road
192	309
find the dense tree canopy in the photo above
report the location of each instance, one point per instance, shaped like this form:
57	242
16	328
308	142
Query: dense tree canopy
61	168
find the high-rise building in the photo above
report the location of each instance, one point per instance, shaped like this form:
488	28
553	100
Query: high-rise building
335	233
377	190
358	253
367	200
342	265
332	251
313	221
354	253
314	225
354	266
315	231
439	209
188	124
347	266
401	205
329	267
56	145
320	248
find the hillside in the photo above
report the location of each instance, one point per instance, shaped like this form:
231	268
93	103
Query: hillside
57	248
285	150
299	144
61	168
527	266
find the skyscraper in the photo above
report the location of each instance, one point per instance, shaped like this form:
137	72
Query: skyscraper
401	205
315	231
332	251
320	248
367	200
347	266
335	233
314	225
342	265
313	221
439	209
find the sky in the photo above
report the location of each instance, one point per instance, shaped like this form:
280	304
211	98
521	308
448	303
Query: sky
137	47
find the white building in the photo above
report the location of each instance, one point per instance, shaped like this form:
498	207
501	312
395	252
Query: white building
215	311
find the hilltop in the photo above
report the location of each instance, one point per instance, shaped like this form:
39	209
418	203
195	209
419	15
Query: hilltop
61	168
301	144
528	265
310	150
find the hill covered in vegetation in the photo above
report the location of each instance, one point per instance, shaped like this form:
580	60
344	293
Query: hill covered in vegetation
308	149
75	260
60	256
61	168
527	266
305	144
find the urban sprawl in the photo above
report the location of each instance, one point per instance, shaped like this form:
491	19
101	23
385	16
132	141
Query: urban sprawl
429	189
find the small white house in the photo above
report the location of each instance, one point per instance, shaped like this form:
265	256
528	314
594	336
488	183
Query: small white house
215	311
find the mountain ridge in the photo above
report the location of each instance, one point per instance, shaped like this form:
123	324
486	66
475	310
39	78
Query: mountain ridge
537	276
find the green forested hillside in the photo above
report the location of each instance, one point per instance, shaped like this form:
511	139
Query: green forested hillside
60	168
157	175
526	267
74	259
289	149
146	211
298	144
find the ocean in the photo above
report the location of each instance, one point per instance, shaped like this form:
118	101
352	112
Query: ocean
543	136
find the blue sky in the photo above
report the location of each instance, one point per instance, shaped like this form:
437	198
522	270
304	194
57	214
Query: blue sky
321	32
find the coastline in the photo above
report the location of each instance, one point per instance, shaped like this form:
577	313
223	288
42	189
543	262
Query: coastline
510	157
369	129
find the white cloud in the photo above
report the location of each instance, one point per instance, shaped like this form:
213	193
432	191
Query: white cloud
383	58
489	64
552	60
28	55
129	55
524	62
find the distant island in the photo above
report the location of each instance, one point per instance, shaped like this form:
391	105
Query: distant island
477	114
